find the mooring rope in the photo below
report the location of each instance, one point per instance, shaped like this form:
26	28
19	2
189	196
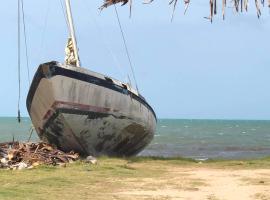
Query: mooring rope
19	60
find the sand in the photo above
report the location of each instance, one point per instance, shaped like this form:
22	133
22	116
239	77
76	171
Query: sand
203	183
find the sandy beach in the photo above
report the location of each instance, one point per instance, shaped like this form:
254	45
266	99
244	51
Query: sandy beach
203	183
142	178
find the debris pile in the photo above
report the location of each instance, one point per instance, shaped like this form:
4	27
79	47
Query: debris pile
16	155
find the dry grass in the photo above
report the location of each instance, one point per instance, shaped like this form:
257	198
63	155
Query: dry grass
137	178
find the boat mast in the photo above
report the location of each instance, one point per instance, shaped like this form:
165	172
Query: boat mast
72	32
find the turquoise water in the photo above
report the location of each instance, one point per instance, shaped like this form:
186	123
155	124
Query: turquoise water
9	128
203	139
199	139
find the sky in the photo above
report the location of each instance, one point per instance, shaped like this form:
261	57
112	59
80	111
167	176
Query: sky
187	69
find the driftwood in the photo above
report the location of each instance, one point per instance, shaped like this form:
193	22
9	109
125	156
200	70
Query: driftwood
238	5
15	155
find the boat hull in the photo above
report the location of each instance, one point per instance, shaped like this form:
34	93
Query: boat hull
76	109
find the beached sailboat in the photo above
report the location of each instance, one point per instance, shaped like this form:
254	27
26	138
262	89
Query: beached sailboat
77	109
81	110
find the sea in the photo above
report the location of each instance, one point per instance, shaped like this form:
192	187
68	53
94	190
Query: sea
197	139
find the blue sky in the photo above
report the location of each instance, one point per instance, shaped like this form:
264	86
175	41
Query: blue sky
185	69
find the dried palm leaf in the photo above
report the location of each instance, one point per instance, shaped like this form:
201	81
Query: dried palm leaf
258	8
108	3
174	6
147	2
239	5
246	5
130	8
215	7
236	5
187	2
223	8
211	10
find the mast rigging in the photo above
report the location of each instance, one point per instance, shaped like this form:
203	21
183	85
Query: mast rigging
25	42
126	48
72	42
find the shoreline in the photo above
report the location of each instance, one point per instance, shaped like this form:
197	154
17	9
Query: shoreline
187	138
142	178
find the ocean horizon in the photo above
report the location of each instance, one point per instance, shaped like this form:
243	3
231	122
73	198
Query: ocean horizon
192	138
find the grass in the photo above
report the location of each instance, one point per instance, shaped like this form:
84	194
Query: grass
240	164
109	177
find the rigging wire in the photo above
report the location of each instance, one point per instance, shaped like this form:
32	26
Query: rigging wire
44	29
19	59
106	43
126	48
25	42
64	13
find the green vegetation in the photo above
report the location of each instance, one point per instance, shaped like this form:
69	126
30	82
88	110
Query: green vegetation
108	178
240	164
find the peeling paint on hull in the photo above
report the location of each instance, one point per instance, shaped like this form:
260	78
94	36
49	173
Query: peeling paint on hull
76	109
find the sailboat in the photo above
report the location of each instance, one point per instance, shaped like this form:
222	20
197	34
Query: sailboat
79	110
